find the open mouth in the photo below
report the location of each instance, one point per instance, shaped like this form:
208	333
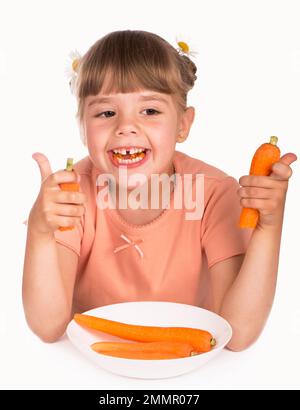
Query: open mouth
131	156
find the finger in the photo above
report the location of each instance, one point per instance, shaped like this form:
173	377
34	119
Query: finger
257	181
255	192
61	177
67	220
44	165
78	178
255	203
66	197
281	169
69	210
288	158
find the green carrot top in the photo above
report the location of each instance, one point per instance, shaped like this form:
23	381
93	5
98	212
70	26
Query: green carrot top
273	140
69	166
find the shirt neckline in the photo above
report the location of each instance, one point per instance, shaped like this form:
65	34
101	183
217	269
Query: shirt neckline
115	216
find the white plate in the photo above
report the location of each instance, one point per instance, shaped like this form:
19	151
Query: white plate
151	314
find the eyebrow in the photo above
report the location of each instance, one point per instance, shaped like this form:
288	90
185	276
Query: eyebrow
154	97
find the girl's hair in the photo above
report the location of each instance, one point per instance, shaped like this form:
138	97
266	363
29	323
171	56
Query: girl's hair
129	60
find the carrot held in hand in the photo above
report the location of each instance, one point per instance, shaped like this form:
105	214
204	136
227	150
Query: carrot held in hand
265	156
201	340
145	351
69	186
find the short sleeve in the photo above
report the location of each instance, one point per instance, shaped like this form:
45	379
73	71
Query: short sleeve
72	238
221	235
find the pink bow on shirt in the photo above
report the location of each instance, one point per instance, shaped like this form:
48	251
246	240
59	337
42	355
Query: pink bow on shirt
130	243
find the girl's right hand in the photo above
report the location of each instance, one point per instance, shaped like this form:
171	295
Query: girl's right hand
53	207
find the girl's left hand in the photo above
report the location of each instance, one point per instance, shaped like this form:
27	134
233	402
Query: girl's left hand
268	193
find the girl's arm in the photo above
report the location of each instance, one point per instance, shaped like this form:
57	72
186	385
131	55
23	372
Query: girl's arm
50	268
48	283
247	301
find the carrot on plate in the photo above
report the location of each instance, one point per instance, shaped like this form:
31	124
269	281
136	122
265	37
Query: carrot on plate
265	156
145	351
201	340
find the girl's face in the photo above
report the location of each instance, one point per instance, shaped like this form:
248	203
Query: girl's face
143	120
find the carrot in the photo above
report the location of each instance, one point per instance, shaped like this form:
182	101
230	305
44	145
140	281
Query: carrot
69	186
265	156
142	355
146	351
201	340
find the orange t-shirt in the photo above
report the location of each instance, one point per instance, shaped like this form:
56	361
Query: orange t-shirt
167	259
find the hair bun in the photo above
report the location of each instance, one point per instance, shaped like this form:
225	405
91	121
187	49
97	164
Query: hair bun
192	68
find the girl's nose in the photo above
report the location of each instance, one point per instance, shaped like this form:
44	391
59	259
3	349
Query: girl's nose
123	132
127	125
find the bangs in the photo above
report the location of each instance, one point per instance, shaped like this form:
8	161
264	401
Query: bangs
128	61
129	78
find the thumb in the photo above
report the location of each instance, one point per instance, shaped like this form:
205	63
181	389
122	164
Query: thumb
43	163
281	169
288	158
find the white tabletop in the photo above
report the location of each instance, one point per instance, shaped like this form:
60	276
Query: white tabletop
28	363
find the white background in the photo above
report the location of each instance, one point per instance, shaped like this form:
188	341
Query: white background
248	88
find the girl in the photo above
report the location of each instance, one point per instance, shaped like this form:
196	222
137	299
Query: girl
131	91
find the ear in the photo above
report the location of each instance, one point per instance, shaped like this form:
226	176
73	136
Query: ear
186	121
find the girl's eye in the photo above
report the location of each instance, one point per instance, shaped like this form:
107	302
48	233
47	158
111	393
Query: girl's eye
151	110
105	112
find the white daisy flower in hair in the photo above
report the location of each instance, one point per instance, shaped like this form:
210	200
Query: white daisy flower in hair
72	68
185	46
